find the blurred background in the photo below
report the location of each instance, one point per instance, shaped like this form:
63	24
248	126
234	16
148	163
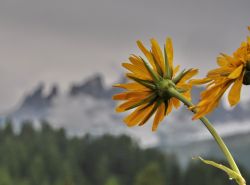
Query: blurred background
58	62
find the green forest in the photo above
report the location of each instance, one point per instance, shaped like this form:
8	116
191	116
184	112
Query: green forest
46	156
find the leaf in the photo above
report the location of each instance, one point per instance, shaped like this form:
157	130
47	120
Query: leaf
231	173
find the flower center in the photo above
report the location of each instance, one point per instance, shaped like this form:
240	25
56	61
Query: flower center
163	87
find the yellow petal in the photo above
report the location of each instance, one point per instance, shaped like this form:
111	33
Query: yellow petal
170	52
149	114
234	94
236	73
213	90
133	118
127	104
199	81
176	102
170	106
158	116
199	114
206	108
139	72
188	75
230	59
176	69
221	61
184	86
222	71
214	93
187	95
146	53
136	116
210	99
137	61
156	51
132	94
131	86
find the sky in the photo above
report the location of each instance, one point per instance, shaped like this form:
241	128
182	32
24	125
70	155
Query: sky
62	41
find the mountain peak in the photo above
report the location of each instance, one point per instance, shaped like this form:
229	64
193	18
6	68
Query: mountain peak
37	97
53	93
36	104
92	86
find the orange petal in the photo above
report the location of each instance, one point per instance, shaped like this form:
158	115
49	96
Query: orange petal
149	114
131	86
137	61
234	93
187	95
146	53
136	116
222	71
189	75
236	73
139	72
211	101
200	81
132	94
176	69
176	102
158	116
126	105
156	51
170	106
170	52
221	61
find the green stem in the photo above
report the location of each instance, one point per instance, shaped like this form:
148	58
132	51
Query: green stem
211	129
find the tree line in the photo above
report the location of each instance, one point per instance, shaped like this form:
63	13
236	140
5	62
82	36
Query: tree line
47	156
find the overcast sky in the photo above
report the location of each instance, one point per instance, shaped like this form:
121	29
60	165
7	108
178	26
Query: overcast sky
62	41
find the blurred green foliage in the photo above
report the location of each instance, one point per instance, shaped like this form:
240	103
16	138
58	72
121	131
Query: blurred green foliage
46	156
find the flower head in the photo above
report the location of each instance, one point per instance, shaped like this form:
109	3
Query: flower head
233	71
148	92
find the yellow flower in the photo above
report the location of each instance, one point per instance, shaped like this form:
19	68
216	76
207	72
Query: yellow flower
148	92
233	71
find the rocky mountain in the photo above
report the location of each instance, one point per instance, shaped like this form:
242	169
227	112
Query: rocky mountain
94	87
35	105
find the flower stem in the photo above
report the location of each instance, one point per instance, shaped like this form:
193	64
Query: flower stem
210	128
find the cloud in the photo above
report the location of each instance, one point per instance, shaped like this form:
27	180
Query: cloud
84	114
